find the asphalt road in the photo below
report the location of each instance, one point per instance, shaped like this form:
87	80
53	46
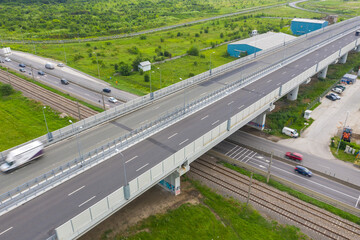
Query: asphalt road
335	168
66	150
51	80
316	183
56	206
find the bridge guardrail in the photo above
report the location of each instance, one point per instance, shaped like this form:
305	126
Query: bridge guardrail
64	172
110	114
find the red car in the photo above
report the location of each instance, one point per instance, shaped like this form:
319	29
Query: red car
294	156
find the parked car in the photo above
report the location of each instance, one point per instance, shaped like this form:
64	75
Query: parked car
303	170
22	70
336	96
337	90
22	65
64	81
342	87
294	156
331	97
113	100
7	59
107	90
290	132
41	73
60	65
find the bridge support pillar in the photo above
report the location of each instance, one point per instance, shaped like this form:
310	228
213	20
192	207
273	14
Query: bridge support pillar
322	73
343	59
258	122
292	96
307	81
357	49
172	182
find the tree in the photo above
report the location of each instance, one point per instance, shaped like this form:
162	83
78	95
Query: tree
136	63
6	90
125	69
146	78
194	51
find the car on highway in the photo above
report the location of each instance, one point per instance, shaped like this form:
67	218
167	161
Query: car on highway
64	81
112	99
60	65
303	170
294	156
331	97
7	59
107	90
41	73
22	70
337	90
22	65
336	96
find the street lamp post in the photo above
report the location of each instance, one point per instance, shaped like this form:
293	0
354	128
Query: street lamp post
97	64
151	92
184	96
49	134
126	185
77	139
65	53
160	76
210	61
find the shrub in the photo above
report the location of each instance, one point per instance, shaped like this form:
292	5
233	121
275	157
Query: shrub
136	63
143	37
146	78
197	35
167	54
133	50
125	69
107	43
221	35
88	44
195	63
6	90
191	75
193	51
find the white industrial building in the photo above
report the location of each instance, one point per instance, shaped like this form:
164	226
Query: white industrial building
145	66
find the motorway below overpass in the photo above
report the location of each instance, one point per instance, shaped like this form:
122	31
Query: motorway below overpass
58	205
66	150
319	184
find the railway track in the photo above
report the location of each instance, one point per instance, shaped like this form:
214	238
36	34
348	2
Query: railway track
46	97
325	224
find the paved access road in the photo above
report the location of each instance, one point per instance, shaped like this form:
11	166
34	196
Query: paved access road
66	151
58	205
316	183
336	168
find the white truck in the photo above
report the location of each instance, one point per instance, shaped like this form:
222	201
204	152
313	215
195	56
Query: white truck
49	66
22	155
290	132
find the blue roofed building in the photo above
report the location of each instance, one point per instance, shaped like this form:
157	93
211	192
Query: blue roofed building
301	26
257	43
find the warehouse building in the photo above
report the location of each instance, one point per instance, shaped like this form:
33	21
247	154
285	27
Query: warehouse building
257	43
302	26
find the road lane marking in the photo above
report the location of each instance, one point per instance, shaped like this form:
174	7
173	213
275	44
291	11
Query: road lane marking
6	230
156	107
76	190
142	167
131	159
262	166
184	141
284	72
230	103
143	122
240	106
269	81
296	65
215	122
293	75
172	135
278	84
204	117
230	150
203	93
87	201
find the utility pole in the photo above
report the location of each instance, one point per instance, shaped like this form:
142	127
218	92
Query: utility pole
248	197
102	94
337	150
269	169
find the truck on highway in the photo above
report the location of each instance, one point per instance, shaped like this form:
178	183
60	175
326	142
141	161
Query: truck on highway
22	155
49	66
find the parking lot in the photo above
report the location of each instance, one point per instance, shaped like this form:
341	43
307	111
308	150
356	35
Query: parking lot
329	118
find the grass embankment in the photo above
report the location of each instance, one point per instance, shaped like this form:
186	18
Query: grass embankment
341	154
334	6
22	120
297	194
290	113
215	218
84	56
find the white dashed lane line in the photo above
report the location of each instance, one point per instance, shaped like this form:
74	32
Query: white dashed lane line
215	122
6	230
204	117
142	167
230	102
131	159
76	190
172	135
184	141
240	106
87	201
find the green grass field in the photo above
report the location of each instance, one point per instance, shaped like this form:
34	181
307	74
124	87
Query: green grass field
22	120
334	6
216	218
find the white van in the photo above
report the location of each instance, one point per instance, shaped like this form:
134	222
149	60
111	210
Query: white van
290	132
49	65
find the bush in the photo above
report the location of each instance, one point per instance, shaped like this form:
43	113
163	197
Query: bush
141	71
6	90
221	35
143	37
191	75
107	43
197	35
136	63
167	54
125	69
193	51
88	44
195	63
146	78
133	50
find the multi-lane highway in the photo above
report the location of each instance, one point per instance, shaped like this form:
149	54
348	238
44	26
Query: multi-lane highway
62	203
67	150
316	183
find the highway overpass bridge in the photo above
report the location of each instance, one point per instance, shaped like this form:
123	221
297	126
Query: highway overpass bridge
161	151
